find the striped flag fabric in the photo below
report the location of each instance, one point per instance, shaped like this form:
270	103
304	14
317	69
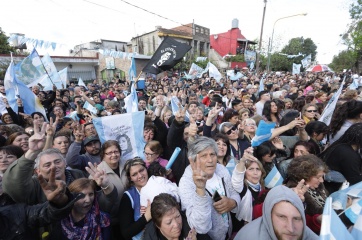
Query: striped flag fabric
340	197
15	88
90	108
174	107
329	109
263	133
274	178
131	101
354	210
332	226
357	228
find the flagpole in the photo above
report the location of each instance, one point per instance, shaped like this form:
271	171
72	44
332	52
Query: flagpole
44	67
139	75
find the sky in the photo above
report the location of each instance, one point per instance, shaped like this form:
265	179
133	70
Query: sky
70	23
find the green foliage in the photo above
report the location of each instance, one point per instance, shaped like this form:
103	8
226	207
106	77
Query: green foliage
344	60
236	58
5	48
355	10
295	46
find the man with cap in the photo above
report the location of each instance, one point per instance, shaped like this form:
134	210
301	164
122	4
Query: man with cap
92	146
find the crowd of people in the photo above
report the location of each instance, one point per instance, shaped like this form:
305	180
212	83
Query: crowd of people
58	181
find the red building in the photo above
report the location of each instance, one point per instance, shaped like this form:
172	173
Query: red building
231	41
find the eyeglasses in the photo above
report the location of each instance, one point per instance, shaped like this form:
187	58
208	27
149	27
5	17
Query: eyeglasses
149	154
231	129
111	153
311	111
250	124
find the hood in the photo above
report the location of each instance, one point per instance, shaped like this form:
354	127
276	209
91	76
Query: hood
278	194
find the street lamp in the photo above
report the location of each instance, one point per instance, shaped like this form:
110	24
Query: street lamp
271	41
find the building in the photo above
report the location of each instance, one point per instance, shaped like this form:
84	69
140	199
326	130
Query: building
192	34
231	42
98	44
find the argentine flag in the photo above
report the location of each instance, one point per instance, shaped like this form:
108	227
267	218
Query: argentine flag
332	226
263	133
174	107
274	178
340	197
127	129
357	228
17	89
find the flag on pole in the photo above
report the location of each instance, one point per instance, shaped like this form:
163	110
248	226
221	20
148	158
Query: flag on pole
17	89
131	101
296	68
30	69
90	108
132	73
306	61
261	83
127	129
63	74
195	71
274	178
340	197
332	226
213	71
233	76
329	109
167	55
81	83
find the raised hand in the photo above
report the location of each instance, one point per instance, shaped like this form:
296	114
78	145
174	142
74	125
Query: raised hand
54	190
79	133
301	189
37	141
199	176
51	127
181	113
277	142
99	176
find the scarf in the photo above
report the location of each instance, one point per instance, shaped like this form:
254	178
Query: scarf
93	222
255	187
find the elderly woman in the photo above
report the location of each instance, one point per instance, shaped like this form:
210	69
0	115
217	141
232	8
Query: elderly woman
249	126
312	170
244	113
206	190
310	112
168	222
133	217
153	150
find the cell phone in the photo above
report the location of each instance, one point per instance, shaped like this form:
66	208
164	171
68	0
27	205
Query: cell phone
216	197
300	115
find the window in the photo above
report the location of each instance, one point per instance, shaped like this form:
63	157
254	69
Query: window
202	31
207	31
197	29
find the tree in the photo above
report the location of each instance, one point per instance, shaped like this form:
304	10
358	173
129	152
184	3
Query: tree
5	48
295	46
344	60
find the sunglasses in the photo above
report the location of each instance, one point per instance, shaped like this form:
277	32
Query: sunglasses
311	111
231	129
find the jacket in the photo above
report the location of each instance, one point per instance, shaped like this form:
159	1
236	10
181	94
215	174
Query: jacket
20	221
262	227
21	185
199	209
78	161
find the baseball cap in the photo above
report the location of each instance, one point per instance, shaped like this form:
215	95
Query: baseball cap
90	139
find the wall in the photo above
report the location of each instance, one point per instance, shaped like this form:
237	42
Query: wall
226	43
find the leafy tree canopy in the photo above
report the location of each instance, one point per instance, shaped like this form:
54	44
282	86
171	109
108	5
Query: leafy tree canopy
5	48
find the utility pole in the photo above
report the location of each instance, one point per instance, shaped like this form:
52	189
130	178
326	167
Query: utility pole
260	39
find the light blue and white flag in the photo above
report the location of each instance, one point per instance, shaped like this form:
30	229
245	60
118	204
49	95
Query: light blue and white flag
274	178
233	76
132	73
81	83
213	71
90	108
127	129
329	109
131	101
195	71
306	61
50	77
263	133
17	89
174	107
30	69
355	84
63	74
261	83
357	228
332	226
340	197
296	68
353	211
